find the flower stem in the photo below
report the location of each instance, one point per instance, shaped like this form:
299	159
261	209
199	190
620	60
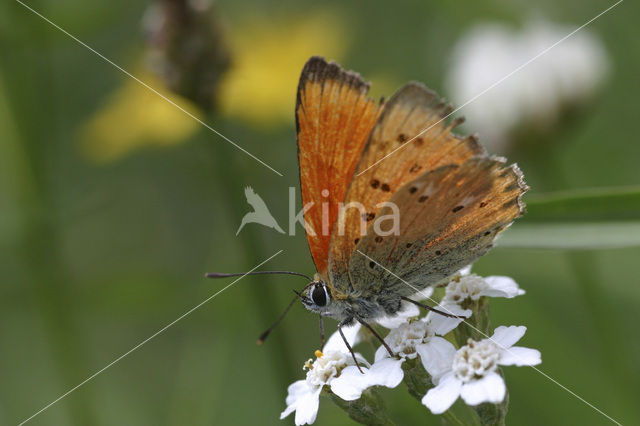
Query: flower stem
450	417
368	410
416	378
493	414
419	382
38	246
477	326
265	304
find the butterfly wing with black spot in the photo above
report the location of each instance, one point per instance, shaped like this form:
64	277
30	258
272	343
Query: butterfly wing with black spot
448	218
411	138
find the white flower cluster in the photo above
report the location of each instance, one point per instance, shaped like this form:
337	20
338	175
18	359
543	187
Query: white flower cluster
473	374
561	75
334	367
470	372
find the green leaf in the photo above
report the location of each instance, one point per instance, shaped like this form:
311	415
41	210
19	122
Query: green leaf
584	219
588	235
597	204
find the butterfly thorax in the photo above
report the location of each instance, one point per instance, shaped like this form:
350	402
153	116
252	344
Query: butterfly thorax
323	298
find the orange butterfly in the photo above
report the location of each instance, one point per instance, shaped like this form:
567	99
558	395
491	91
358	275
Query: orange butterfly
445	198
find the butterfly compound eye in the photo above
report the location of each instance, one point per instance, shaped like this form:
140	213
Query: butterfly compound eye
320	294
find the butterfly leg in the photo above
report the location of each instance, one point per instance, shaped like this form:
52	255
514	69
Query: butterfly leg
342	323
321	333
429	308
375	333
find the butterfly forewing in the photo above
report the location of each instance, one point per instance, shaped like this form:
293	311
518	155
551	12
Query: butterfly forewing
414	138
449	217
334	119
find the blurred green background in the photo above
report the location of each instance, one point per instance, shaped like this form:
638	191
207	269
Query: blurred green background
112	208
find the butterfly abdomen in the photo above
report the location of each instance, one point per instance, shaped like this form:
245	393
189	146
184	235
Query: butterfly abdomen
373	308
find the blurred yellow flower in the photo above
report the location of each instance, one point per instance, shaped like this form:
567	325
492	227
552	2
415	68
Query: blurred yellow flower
134	117
260	86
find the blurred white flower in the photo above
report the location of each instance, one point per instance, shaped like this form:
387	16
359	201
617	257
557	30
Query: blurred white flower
472	287
472	370
567	74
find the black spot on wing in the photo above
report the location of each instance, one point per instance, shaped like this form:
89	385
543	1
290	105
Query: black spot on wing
368	216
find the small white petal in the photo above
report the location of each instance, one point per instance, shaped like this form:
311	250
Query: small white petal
335	342
290	409
440	398
501	287
408	310
505	337
465	271
381	353
295	390
307	407
490	388
517	355
350	384
423	294
441	324
436	356
387	372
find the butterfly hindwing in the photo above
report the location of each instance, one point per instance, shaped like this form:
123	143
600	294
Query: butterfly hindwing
411	138
334	118
448	218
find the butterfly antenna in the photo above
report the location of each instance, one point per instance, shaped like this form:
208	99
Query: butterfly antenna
299	295
264	335
239	274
